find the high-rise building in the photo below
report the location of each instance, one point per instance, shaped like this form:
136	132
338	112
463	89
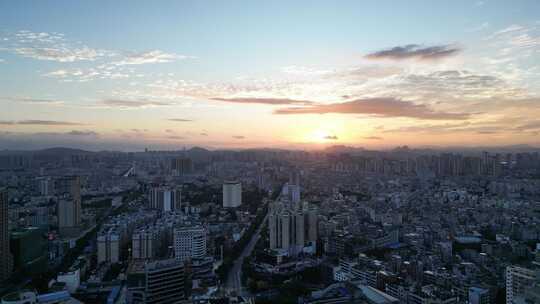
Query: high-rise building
479	295
6	259
189	242
518	279
232	194
29	249
108	245
46	186
291	226
69	185
161	281
67	218
144	244
181	166
69	206
165	198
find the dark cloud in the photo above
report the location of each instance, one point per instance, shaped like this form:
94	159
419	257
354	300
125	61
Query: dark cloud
415	51
430	128
204	134
373	137
238	137
179	119
175	137
531	126
122	103
267	101
31	100
331	137
40	123
381	107
82	133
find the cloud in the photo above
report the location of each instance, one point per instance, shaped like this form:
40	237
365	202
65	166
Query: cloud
238	137
83	75
267	101
381	107
478	28
530	126
454	85
204	134
32	100
304	71
503	124
51	47
175	137
179	120
60	54
169	131
331	137
155	56
134	104
415	51
373	138
82	133
41	123
139	130
2	60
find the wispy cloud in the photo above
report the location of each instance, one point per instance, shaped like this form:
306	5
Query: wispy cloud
84	75
504	124
331	137
52	47
179	119
41	123
267	101
415	51
82	133
238	137
381	107
478	28
32	100
175	137
59	54
133	104
373	138
155	56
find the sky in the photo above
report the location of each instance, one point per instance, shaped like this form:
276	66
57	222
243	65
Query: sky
126	75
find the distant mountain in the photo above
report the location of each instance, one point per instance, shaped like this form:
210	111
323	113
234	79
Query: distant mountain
197	150
344	149
62	151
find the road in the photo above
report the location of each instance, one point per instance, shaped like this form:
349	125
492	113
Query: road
233	283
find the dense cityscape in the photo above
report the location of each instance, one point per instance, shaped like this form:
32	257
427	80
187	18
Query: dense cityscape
269	152
339	225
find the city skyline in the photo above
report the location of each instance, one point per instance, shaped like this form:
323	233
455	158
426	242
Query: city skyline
130	75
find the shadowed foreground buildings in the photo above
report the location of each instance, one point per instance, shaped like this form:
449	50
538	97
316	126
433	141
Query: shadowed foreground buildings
69	206
157	282
292	226
6	258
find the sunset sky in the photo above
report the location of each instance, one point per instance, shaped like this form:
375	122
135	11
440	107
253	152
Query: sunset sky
240	74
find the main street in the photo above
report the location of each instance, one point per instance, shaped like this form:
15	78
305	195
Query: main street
233	282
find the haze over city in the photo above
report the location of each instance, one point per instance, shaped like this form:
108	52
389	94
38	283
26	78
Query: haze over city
129	75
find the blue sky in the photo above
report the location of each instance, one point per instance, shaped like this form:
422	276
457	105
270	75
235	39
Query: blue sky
111	67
